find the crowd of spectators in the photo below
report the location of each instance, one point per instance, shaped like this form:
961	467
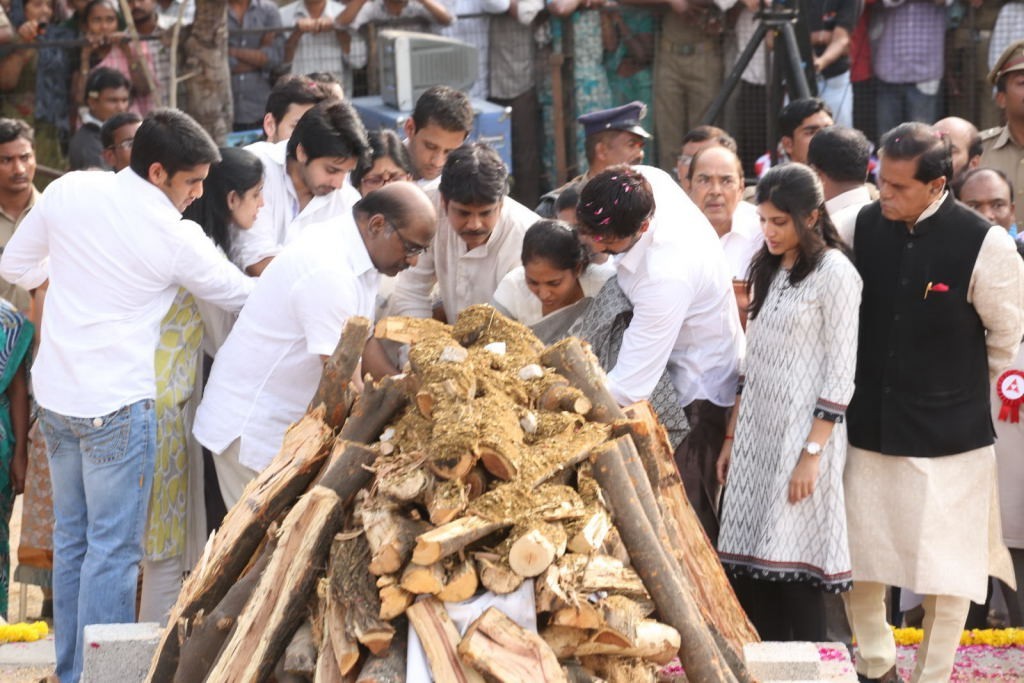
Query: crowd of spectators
877	63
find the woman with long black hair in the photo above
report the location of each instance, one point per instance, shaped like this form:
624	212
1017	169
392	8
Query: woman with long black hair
783	535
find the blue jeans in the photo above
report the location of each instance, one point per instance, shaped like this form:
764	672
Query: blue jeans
838	95
102	474
901	102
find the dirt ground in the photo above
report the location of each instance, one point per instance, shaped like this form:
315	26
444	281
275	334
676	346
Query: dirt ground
33	605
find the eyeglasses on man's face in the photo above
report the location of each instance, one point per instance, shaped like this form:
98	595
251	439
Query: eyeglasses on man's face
125	144
376	181
411	248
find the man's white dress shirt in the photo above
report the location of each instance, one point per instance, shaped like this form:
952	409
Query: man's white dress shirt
464	277
269	367
280	220
115	250
843	210
684	311
743	240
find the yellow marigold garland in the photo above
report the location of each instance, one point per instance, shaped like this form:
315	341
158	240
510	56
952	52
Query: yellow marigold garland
23	632
992	637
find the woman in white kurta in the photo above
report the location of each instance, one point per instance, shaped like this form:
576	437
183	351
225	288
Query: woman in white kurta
783	537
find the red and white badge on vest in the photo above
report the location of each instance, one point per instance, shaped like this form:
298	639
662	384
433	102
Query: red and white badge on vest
1010	389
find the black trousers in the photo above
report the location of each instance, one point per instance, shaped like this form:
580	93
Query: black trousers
782	611
696	458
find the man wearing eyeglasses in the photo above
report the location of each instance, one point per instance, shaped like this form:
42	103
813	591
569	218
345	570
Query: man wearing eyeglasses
117	135
269	367
672	269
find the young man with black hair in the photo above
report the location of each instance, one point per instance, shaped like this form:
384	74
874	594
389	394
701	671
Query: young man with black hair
268	369
840	156
117	136
942	315
115	251
18	194
799	121
107	92
304	181
1004	146
440	123
479	237
674	272
290	98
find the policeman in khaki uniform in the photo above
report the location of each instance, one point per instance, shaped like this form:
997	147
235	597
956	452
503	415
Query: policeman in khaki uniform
612	136
1004	147
687	71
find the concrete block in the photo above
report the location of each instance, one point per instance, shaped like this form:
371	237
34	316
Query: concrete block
118	652
783	661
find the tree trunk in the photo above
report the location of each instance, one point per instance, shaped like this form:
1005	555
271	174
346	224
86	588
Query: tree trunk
278	604
440	639
498	647
676	606
688	542
209	631
353	586
206	60
389	668
334	390
580	367
265	499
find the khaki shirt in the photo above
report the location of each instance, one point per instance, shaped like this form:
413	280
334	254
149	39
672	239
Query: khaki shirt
19	297
1002	153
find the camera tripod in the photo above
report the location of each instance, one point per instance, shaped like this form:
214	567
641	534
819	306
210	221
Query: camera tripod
791	64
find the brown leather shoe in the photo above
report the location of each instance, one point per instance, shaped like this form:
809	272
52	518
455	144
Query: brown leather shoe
890	676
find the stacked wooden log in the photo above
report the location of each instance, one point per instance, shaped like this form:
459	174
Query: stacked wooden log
490	462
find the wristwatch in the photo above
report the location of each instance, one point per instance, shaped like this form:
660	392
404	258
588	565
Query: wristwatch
812	448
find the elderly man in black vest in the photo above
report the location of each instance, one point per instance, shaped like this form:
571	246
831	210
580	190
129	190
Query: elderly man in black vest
942	313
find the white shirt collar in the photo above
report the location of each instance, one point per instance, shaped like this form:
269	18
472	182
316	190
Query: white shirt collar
932	208
745	222
858	195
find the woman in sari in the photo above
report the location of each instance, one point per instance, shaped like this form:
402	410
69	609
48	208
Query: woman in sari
14	420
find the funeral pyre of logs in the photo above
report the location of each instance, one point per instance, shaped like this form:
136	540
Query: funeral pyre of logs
491	461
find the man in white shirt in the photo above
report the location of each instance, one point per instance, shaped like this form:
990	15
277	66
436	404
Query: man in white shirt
115	251
841	156
270	365
479	238
440	123
289	99
304	181
716	187
672	269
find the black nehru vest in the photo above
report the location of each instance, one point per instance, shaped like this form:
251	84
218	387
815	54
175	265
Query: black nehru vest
922	367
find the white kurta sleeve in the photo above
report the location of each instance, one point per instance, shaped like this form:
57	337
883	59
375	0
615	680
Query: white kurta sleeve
412	288
840	302
997	293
